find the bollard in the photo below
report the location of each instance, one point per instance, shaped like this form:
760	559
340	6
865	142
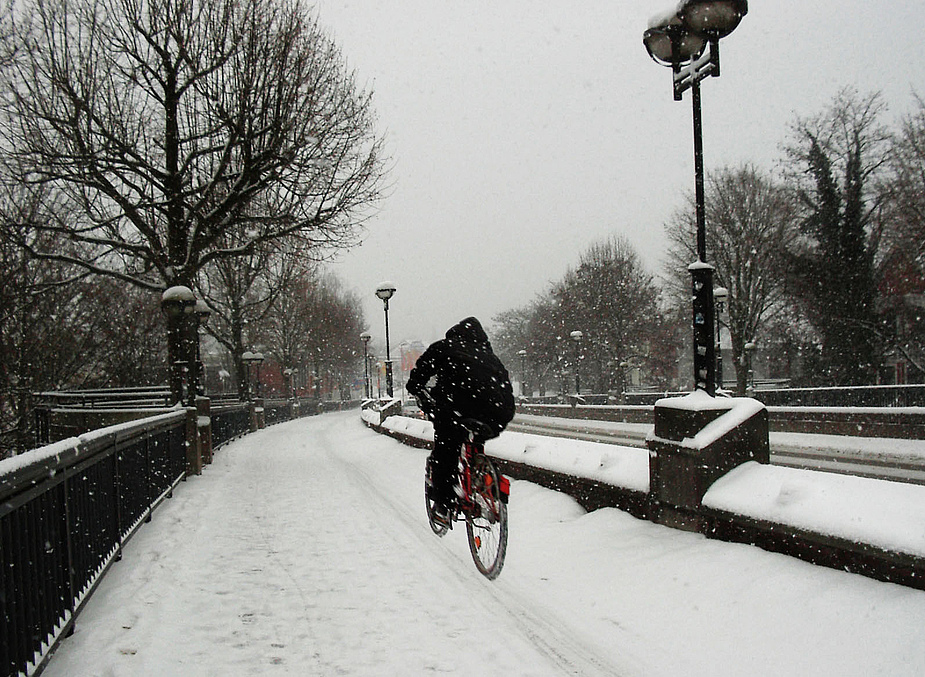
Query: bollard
204	424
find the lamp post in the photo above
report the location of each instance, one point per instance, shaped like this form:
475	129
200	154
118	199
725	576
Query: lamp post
624	365
750	373
523	372
247	357
576	336
365	338
688	42
202	314
250	358
385	291
258	358
178	304
720	294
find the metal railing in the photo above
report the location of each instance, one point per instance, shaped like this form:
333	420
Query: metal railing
910	395
65	512
67	509
229	421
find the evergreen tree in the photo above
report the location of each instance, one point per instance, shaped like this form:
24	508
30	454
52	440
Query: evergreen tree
835	161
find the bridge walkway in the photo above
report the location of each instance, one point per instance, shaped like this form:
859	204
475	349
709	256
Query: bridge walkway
304	550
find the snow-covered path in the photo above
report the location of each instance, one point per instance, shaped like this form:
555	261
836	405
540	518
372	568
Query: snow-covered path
304	550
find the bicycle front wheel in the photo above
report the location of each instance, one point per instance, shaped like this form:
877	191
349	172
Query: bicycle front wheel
486	522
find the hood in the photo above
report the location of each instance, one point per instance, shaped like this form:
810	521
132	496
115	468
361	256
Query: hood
468	331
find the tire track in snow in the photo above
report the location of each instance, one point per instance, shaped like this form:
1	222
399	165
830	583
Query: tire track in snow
548	634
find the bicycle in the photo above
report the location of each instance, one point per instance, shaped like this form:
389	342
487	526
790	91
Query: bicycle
482	497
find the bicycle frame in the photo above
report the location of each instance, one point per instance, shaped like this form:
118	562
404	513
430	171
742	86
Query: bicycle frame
470	450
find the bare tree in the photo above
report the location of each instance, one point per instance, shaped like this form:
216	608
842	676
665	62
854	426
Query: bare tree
613	301
241	293
901	269
751	223
316	324
907	183
159	121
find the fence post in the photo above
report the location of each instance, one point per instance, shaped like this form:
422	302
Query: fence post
193	447
204	423
260	413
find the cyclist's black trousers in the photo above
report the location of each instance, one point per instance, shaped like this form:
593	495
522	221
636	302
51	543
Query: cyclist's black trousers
448	438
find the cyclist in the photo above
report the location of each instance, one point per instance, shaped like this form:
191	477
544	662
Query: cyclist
458	378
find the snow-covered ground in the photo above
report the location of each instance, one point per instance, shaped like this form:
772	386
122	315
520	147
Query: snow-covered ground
304	550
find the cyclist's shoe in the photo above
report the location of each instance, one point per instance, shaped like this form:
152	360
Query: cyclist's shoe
442	515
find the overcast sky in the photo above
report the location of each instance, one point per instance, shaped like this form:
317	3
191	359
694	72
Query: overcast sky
523	132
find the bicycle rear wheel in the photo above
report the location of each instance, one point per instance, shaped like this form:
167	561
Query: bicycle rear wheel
486	522
437	527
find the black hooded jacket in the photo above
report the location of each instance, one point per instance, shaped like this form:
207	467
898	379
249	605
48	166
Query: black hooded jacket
460	377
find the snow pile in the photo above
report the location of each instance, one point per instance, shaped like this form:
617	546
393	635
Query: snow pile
413	427
625	467
370	416
618	466
890	515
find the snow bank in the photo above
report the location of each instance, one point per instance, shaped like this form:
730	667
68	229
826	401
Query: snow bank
890	515
413	427
618	466
626	467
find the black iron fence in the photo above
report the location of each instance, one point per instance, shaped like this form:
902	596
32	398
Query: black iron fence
229	421
67	509
64	517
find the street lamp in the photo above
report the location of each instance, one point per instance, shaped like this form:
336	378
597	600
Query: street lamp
250	358
750	373
365	338
576	336
202	313
624	365
385	291
720	294
688	42
178	304
523	372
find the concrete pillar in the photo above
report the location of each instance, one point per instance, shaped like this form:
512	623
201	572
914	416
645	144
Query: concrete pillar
698	439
